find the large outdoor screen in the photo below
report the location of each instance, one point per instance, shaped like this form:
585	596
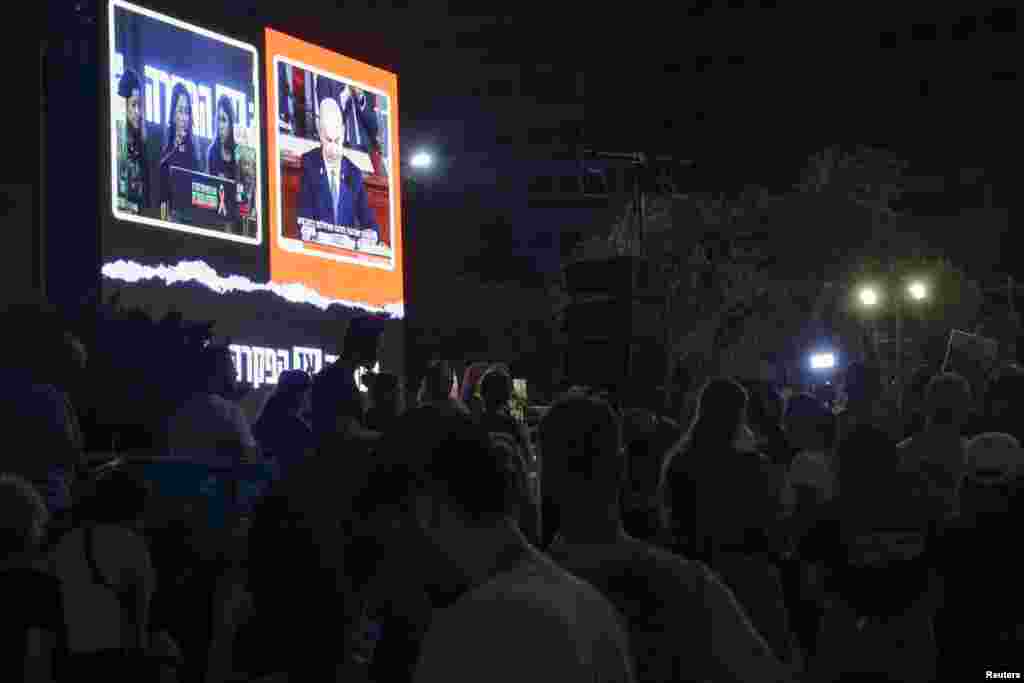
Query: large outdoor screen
185	132
334	207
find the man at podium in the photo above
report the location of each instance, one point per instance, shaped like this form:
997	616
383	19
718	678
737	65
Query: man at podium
332	189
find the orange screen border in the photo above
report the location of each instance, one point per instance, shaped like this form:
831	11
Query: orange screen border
332	279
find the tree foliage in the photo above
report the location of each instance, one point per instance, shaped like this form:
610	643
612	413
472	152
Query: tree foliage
837	225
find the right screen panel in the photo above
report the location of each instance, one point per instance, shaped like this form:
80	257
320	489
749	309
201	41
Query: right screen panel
335	203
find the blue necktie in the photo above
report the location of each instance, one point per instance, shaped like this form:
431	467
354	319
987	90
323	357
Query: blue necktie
334	194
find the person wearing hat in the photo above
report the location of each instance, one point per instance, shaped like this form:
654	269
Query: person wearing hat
983	594
994	459
282	430
133	180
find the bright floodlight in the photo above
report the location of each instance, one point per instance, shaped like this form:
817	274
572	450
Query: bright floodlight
918	291
869	296
421	160
823	361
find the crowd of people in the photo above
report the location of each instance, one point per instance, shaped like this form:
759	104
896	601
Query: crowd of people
433	536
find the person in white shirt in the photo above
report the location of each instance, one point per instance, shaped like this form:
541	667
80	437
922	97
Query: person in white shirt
209	426
504	612
105	570
684	624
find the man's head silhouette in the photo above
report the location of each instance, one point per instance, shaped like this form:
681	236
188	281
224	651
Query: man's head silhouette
332	130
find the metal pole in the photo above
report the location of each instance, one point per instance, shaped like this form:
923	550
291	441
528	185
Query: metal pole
1012	294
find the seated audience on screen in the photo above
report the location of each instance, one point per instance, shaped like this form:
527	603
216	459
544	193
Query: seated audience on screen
179	148
332	189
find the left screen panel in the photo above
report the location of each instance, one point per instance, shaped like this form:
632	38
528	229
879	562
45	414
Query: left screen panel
185	132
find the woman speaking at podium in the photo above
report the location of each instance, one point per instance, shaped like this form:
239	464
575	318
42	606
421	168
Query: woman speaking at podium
179	150
222	157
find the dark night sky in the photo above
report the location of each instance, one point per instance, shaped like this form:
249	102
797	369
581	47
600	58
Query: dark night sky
747	93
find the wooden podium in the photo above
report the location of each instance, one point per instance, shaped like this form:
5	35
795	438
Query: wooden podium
376	184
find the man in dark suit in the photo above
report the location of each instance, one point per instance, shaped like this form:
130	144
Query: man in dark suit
332	187
357	109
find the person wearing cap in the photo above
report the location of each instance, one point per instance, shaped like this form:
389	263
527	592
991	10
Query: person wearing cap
984	597
282	430
994	457
133	182
1004	403
995	463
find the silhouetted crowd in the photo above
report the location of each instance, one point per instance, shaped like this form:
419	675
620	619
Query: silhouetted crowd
779	535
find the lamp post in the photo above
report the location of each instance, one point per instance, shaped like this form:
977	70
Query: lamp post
913	291
419	171
421	160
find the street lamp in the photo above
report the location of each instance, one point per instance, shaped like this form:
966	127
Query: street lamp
421	160
917	290
915	294
869	296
